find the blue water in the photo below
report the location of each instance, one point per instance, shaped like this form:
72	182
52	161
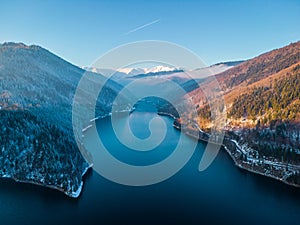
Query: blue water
222	194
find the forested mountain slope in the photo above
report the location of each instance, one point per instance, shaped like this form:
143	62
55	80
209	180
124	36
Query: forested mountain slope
262	103
36	136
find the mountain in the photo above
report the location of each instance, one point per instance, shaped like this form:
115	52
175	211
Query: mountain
165	70
129	72
132	71
260	67
159	68
37	143
263	112
250	73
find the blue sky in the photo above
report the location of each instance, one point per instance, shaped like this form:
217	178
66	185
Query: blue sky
81	31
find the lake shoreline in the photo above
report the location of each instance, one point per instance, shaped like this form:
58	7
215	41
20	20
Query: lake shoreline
230	150
72	194
235	154
230	146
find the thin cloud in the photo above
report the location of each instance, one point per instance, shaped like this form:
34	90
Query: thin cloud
141	27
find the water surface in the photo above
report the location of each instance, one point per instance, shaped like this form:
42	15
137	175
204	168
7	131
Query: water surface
222	194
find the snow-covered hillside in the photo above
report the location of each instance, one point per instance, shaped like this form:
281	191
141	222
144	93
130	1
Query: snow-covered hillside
37	90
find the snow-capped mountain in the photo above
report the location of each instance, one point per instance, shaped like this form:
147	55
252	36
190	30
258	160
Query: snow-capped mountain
127	71
157	69
137	71
166	71
132	71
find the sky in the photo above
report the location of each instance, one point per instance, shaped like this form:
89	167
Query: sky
216	30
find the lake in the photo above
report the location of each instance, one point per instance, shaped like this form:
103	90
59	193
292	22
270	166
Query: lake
222	194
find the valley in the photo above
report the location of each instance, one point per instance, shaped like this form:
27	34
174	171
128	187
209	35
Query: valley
262	107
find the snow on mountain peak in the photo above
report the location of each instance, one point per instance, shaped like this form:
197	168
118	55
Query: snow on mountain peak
137	71
132	71
157	69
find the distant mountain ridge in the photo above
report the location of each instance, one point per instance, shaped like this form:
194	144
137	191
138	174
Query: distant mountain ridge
164	70
132	71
